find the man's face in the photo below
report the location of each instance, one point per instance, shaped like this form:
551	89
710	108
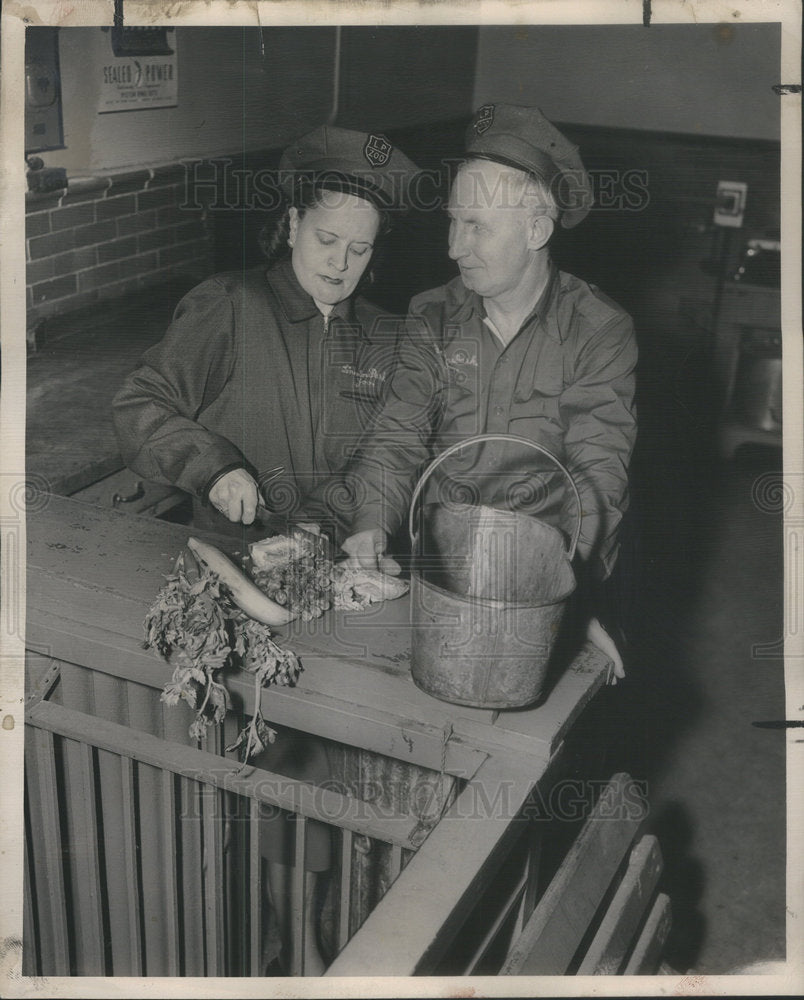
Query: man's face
488	233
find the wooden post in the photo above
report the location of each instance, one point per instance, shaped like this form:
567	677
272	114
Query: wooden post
46	852
131	867
144	714
214	903
298	898
256	890
170	844
110	700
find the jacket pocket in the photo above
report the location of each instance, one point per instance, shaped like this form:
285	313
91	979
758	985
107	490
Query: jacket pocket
538	408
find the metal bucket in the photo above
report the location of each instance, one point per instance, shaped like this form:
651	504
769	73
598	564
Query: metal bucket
488	592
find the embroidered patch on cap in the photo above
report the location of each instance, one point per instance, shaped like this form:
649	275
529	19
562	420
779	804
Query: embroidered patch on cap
485	118
377	150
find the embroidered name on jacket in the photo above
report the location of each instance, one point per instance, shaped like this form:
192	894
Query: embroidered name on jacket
459	363
462	357
364	379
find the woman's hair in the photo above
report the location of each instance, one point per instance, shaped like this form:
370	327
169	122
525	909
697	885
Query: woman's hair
273	238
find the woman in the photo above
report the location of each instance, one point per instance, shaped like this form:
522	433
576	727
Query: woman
277	368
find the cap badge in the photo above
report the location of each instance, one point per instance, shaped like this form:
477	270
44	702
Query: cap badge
377	150
485	118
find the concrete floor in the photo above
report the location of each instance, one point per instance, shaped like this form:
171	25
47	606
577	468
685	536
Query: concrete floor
717	783
701	588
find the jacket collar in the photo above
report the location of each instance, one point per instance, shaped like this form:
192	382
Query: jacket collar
468	303
296	304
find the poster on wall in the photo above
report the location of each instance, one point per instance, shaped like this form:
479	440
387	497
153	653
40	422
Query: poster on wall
139	70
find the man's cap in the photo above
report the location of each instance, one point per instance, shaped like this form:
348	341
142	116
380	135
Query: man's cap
523	138
363	163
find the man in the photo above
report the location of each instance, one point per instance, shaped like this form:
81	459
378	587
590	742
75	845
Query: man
511	346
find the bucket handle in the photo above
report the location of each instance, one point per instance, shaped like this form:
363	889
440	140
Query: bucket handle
509	438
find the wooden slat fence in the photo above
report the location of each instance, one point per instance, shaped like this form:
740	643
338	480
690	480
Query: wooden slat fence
143	852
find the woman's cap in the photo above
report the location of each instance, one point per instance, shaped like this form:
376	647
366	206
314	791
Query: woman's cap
523	138
363	163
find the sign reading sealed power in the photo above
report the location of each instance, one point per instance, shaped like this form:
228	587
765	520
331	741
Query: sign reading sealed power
136	80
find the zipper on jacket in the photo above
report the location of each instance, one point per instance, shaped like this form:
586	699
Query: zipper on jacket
321	391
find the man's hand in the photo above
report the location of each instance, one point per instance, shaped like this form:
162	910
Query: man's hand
235	495
365	551
598	636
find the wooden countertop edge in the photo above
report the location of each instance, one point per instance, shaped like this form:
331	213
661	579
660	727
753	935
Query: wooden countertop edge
387	728
77	600
394	734
73	482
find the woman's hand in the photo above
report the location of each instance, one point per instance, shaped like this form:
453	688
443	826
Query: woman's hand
365	551
598	636
236	495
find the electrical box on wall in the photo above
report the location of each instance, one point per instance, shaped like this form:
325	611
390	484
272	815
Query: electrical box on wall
43	113
730	203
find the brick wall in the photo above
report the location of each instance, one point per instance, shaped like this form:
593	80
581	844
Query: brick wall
105	237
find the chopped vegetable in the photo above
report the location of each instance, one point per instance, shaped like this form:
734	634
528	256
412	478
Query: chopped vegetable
294	574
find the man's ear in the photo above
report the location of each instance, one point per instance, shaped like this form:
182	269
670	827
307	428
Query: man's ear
541	229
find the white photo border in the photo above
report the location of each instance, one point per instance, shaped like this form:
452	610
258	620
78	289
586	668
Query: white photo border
16	16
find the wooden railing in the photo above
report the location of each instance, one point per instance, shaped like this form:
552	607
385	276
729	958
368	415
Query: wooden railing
143	854
142	850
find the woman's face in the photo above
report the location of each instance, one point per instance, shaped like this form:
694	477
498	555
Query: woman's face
332	245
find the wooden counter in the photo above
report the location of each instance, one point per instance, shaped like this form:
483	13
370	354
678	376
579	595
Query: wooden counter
91	575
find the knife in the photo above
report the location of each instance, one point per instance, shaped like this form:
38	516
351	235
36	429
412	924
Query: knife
322	545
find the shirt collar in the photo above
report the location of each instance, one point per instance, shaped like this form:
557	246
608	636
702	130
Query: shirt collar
296	304
545	310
